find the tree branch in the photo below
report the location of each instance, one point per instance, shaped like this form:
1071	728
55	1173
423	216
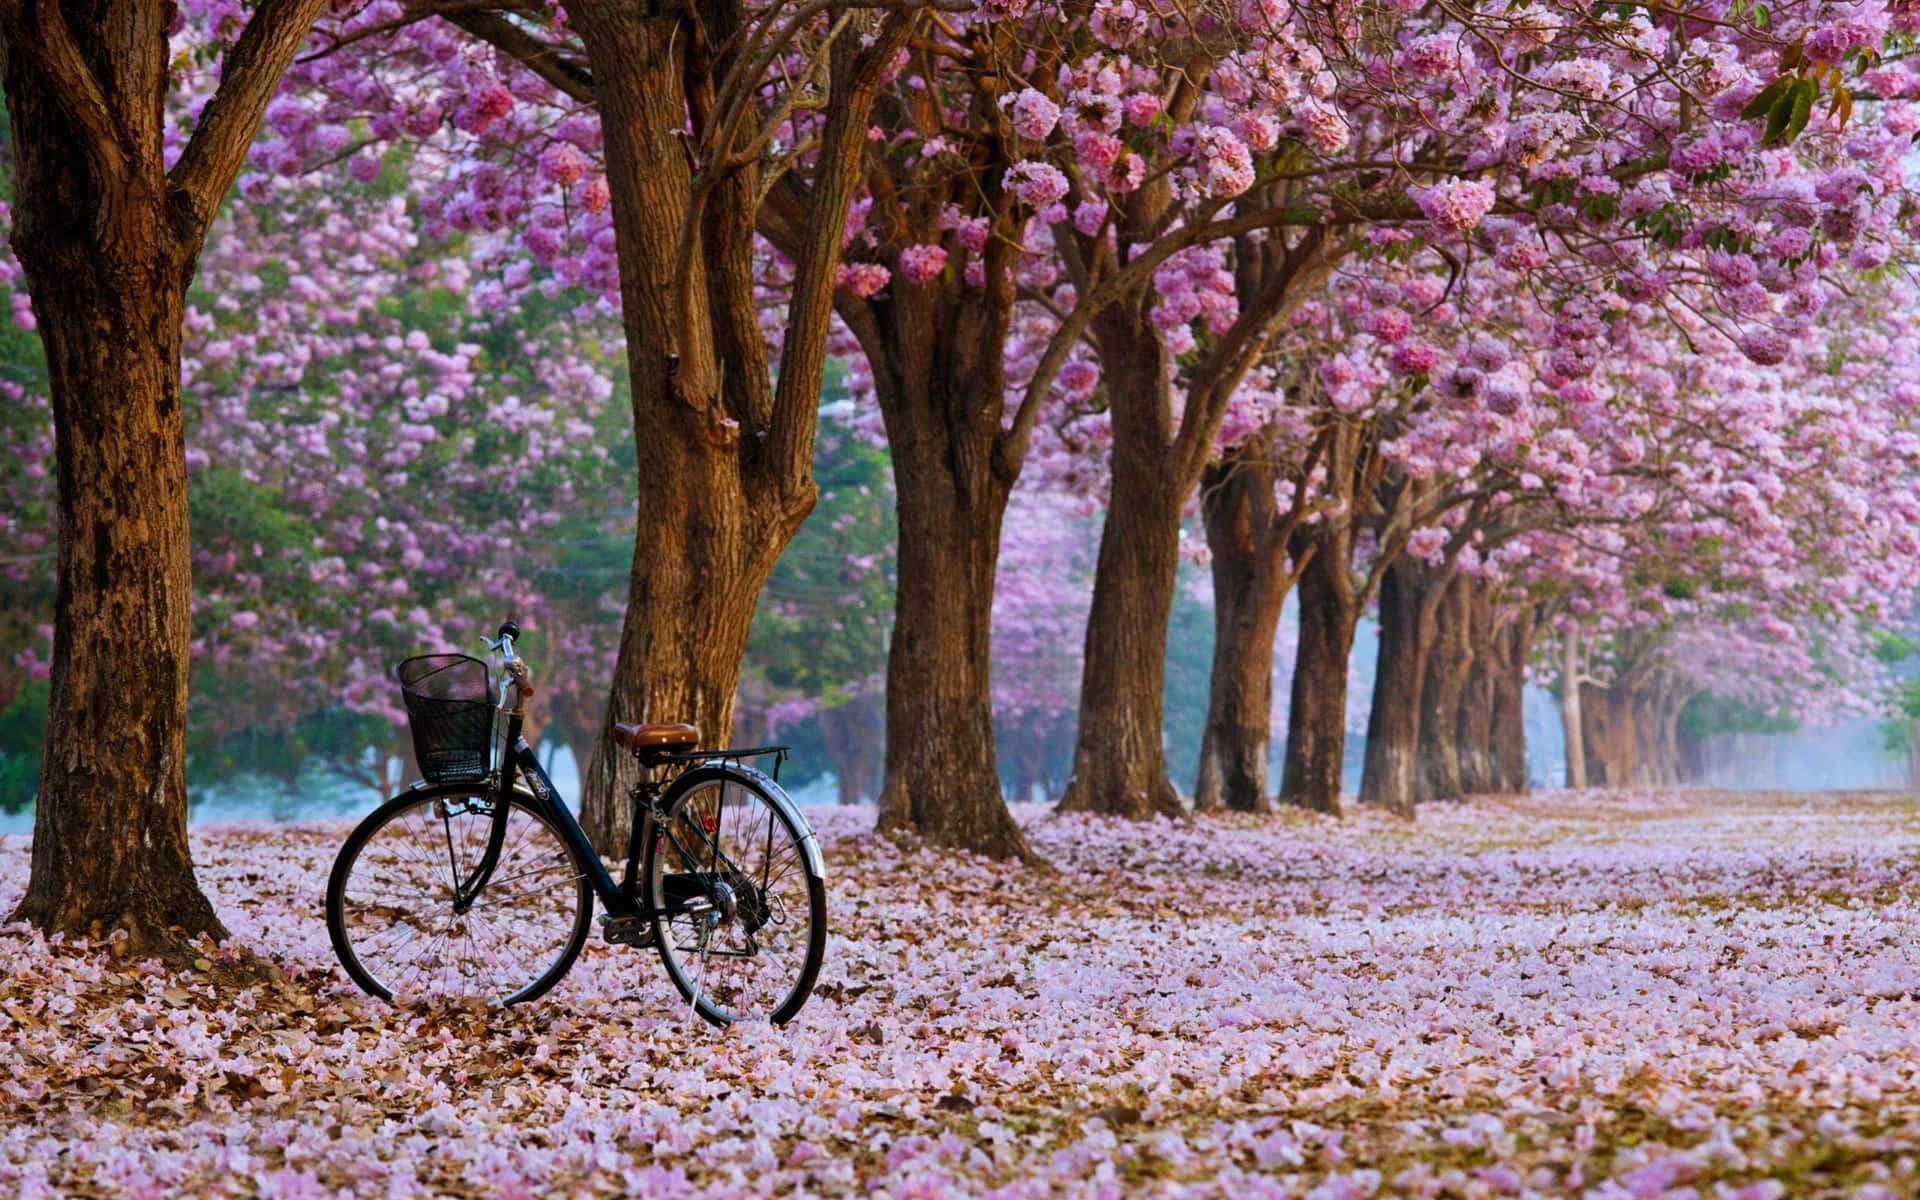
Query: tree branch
248	79
567	75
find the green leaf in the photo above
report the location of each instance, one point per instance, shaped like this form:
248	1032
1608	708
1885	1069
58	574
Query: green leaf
1804	94
1762	104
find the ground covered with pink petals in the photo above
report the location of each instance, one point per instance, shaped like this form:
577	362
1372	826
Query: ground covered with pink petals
1683	995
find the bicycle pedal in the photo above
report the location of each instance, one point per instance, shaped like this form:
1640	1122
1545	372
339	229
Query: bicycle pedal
626	931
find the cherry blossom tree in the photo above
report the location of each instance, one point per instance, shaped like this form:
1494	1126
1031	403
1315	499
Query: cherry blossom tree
109	215
703	125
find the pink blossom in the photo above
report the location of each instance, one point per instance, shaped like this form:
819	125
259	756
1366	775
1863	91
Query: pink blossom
562	163
593	195
863	279
1225	167
1455	205
1034	115
1036	184
922	264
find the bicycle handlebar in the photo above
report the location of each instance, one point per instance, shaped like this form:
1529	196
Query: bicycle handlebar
516	667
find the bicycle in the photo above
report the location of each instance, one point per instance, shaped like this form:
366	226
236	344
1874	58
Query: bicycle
477	883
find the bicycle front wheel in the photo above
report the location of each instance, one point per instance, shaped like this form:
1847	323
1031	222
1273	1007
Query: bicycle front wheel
736	875
390	901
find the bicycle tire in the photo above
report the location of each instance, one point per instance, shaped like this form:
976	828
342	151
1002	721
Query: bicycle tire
758	963
406	888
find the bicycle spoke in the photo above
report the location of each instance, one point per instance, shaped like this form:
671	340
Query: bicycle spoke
396	915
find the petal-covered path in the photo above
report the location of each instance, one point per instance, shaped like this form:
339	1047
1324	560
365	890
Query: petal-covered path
1687	995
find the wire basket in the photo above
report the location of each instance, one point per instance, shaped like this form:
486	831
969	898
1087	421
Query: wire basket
450	712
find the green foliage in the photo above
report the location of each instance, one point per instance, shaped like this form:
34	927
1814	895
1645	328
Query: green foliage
281	755
1707	714
23	726
824	617
1891	646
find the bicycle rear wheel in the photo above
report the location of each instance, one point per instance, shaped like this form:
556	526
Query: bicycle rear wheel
740	873
390	907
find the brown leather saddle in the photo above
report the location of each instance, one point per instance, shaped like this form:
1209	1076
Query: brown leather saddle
646	741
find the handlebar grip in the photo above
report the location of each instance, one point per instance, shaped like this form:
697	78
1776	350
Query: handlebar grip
508	630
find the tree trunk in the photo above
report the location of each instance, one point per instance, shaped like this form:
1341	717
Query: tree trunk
934	352
1119	759
943	774
1573	724
1607	735
1443	684
1512	649
725	452
856	740
1315	765
1473	722
108	240
1250	583
1407	607
110	829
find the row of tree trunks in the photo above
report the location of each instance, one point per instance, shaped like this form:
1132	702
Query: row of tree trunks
1473	736
1473	724
1511	648
1630	731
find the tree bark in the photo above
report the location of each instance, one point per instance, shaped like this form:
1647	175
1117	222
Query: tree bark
725	451
1572	722
1443	683
1315	763
943	774
1408	600
1512	647
1607	735
935	353
108	240
934	350
1246	537
1119	759
1473	722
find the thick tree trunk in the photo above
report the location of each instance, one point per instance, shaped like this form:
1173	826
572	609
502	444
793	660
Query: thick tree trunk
1572	723
1315	764
1407	606
1119	759
1443	685
1512	648
1119	764
702	552
1250	583
110	829
934	349
943	775
724	451
108	240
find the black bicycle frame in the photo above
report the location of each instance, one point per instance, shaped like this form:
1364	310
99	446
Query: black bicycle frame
615	899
